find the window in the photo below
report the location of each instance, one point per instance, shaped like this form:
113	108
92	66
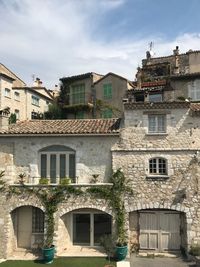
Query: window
107	91
7	93
157	166
88	228
107	113
35	100
17	114
78	94
194	90
155	97
157	124
17	96
37	220
57	162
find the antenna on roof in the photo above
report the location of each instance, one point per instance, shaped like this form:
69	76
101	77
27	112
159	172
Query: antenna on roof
33	77
151	45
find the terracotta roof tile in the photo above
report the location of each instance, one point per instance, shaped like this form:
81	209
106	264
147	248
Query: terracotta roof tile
195	107
156	105
65	127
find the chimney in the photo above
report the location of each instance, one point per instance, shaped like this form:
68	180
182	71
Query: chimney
176	51
37	83
4	118
139	77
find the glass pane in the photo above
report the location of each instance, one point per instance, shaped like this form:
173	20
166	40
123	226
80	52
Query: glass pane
102	226
155	98
37	220
53	168
62	165
43	166
72	165
81	229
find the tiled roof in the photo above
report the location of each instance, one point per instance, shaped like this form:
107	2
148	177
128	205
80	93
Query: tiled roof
80	76
154	83
195	107
156	105
112	74
65	127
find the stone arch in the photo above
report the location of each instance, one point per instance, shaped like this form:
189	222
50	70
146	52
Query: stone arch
22	204
156	205
102	208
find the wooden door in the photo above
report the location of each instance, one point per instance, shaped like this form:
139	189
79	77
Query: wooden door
159	230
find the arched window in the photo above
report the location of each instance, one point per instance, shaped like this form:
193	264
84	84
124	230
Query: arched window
57	162
158	166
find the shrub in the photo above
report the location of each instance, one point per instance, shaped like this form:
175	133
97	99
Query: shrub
44	181
65	181
195	250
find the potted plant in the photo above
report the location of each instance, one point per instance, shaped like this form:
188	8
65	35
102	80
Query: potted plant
65	181
94	179
195	253
109	246
43	181
118	191
21	178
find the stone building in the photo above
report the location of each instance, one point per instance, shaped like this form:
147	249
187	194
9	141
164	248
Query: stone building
27	102
55	149
170	78
158	151
92	95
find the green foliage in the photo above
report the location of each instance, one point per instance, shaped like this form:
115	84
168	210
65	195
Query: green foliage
65	181
21	178
115	195
12	118
107	241
44	180
54	112
195	250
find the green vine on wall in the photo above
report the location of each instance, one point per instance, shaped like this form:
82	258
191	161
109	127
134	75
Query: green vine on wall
51	197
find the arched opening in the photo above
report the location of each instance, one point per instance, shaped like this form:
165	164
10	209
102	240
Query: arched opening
27	227
83	227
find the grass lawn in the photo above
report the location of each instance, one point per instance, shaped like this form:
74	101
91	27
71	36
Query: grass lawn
61	262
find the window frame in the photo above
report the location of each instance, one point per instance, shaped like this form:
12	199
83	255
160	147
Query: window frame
35	100
107	90
7	92
17	113
157	125
159	165
17	96
194	90
77	94
37	221
63	151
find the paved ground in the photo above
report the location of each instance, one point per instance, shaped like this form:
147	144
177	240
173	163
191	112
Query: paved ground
159	262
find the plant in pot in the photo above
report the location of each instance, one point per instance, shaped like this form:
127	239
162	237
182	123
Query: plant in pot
43	181
108	244
119	189
65	181
22	178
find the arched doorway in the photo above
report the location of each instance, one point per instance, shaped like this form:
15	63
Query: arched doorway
28	227
83	227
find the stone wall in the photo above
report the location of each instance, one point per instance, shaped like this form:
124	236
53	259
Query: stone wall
21	154
179	190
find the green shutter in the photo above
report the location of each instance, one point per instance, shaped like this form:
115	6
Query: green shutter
72	166
107	91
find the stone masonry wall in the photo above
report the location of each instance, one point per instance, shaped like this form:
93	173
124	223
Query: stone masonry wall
179	190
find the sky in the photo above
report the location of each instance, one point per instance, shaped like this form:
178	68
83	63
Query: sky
51	39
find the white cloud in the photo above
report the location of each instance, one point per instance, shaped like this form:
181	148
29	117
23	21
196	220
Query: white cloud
53	38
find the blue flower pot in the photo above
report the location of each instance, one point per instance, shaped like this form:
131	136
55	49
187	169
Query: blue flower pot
121	252
48	254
